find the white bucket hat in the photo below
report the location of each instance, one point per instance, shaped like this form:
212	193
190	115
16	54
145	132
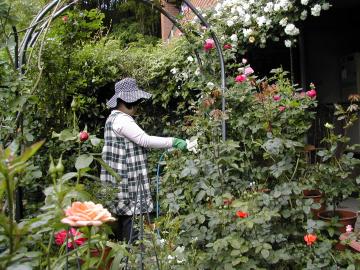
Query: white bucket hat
128	91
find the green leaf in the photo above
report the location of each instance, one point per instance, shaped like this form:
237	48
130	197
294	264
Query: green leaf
109	169
265	253
235	253
200	195
235	243
95	141
29	152
68	176
83	161
66	135
19	267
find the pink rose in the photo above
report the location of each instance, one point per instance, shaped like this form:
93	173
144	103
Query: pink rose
60	238
227	46
349	228
276	97
65	19
248	71
282	108
209	44
240	78
311	93
86	214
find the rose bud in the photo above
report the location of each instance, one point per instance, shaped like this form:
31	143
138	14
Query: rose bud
84	136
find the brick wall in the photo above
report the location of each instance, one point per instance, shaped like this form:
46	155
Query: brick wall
167	28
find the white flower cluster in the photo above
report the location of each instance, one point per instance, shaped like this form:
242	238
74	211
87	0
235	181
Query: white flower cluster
252	21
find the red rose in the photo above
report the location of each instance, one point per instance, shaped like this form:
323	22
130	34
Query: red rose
83	136
227	46
209	44
65	19
241	214
282	108
276	97
311	93
60	238
240	78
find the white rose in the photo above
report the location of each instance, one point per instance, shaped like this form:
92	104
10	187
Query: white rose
283	21
277	7
210	85
241	11
180	249
190	59
197	72
261	20
284	4
329	126
325	6
269	6
303	15
234	37
304	2
173	70
288	43
247	32
246	6
291	30
229	23
218	7
315	10
268	22
247	19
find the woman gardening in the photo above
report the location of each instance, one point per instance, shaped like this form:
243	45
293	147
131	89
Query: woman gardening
125	152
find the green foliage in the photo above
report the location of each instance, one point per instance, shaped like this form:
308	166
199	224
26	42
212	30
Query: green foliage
334	173
236	204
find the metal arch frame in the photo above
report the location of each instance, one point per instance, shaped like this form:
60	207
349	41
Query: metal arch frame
31	36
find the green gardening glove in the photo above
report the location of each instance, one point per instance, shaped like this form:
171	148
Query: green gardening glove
179	144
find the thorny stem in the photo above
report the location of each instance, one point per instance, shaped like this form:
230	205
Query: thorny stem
48	250
296	167
89	248
10	198
78	175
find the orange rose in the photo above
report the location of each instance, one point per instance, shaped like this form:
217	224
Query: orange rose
86	214
310	239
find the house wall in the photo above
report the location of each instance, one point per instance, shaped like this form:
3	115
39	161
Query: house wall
167	26
327	40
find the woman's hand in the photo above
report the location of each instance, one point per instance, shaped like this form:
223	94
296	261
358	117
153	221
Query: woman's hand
179	144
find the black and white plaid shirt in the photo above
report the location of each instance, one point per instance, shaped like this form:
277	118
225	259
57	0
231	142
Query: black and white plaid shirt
129	161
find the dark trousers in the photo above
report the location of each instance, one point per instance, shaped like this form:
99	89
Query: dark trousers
122	229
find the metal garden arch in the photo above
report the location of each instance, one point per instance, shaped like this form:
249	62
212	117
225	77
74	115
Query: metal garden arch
38	25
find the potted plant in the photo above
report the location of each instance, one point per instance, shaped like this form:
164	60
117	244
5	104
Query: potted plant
351	238
336	167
